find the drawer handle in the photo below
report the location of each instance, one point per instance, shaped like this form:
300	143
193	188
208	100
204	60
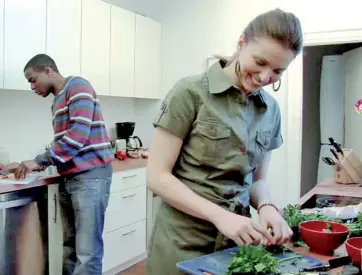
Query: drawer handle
128	177
129	233
129	196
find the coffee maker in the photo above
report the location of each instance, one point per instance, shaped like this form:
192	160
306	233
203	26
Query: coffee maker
125	140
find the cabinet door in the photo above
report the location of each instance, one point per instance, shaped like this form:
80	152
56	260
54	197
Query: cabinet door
96	30
1	44
147	58
25	28
122	52
64	34
55	231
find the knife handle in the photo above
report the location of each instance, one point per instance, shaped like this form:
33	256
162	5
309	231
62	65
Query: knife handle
334	154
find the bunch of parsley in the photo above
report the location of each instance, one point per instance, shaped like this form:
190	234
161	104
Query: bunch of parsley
253	260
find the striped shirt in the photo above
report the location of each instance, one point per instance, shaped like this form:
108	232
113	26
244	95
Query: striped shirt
80	137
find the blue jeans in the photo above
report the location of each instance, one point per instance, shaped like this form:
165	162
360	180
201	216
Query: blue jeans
83	203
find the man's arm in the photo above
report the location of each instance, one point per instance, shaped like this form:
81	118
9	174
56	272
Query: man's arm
81	104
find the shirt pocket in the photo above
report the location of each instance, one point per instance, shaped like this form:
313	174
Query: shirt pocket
262	145
211	142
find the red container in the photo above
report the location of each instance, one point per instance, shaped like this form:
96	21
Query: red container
315	235
353	247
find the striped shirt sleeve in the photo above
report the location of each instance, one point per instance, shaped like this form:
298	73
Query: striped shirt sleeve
81	100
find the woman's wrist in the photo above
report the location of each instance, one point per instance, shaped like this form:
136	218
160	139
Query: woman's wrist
266	205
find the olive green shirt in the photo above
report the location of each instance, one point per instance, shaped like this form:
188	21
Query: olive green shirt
225	133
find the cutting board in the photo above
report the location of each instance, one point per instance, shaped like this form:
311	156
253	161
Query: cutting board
29	178
217	263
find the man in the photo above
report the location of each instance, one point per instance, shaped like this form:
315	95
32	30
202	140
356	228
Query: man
82	153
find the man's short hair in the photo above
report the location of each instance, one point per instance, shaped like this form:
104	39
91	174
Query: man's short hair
39	62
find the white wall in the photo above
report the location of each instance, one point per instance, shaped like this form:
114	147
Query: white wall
148	8
193	30
26	128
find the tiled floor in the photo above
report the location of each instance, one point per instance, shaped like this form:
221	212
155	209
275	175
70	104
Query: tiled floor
138	269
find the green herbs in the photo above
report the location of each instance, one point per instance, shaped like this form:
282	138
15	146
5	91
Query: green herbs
254	260
355	227
293	216
328	228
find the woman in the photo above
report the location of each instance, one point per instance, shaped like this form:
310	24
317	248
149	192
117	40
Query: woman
212	146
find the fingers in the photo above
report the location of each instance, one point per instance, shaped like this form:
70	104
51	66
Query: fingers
21	172
239	241
264	232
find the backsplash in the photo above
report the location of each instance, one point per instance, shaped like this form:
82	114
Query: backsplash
25	120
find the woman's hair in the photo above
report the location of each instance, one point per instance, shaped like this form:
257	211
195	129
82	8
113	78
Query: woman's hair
276	24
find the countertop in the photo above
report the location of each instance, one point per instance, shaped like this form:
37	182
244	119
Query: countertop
118	166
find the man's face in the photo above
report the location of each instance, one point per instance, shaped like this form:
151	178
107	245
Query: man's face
40	82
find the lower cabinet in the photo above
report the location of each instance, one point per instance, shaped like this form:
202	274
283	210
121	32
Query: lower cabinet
125	226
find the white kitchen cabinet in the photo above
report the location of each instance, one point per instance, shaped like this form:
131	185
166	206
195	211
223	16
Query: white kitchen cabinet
1	44
63	39
122	61
25	32
125	221
148	58
95	49
55	231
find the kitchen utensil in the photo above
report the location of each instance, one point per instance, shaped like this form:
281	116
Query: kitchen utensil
120	145
354	247
332	263
217	263
336	145
334	154
7	171
328	160
124	129
321	240
134	143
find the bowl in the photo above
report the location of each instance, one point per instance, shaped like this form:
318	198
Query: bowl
353	247
323	237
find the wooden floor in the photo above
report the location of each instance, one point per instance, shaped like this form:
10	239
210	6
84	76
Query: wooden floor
138	269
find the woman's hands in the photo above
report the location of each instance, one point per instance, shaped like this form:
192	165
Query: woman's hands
270	218
242	230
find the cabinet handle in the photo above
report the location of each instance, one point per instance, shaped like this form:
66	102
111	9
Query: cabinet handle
128	233
129	196
55	208
128	177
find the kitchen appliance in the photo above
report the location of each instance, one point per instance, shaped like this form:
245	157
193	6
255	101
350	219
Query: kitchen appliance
331	108
134	143
124	129
120	145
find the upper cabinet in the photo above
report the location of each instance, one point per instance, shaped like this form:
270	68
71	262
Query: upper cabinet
1	44
122	61
118	51
24	37
64	34
95	49
147	58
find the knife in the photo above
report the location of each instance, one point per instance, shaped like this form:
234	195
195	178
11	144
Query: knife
332	263
334	154
336	145
7	171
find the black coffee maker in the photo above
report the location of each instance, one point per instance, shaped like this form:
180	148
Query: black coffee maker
124	131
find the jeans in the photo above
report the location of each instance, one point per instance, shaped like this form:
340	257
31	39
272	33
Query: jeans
83	203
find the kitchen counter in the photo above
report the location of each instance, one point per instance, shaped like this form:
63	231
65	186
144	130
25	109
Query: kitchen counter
118	166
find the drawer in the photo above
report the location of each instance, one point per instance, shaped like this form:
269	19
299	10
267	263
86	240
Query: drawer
124	244
125	207
128	179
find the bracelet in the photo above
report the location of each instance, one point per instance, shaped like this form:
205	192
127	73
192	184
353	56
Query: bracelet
267	204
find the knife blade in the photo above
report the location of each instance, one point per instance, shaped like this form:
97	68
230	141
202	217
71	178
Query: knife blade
7	171
336	145
332	263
